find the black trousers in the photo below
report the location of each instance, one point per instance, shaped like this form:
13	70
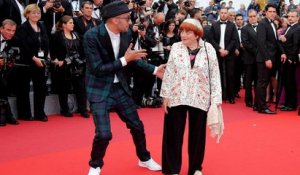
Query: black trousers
174	127
126	110
250	72
78	84
227	66
38	78
263	78
290	84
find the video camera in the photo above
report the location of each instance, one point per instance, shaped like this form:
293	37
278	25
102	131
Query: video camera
152	102
10	57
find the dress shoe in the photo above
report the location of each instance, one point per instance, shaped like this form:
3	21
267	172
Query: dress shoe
12	120
2	124
198	172
231	101
249	105
150	164
288	108
281	107
94	171
266	111
85	114
66	114
42	119
254	108
299	112
27	119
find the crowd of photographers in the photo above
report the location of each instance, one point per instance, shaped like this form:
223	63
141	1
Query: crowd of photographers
42	40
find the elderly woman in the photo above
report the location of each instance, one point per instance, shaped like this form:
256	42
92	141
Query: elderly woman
191	84
34	45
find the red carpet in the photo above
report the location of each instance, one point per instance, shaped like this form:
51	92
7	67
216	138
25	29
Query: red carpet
253	144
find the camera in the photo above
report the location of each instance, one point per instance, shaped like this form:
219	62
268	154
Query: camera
155	5
75	63
152	102
56	3
10	57
186	3
141	25
49	65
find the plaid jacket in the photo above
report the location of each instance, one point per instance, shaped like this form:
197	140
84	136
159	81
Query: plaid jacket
102	65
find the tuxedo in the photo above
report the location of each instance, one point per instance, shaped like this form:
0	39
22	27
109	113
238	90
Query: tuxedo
10	10
226	63
81	25
269	48
291	48
104	93
249	41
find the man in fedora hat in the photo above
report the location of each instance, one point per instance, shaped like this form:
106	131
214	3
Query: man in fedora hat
108	52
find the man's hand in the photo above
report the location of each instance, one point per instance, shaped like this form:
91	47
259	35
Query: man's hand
223	52
237	52
1	62
132	55
282	38
161	71
269	64
283	58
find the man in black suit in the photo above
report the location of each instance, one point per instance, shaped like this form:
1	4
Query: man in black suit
249	41
269	53
239	22
290	44
86	21
7	32
224	38
12	9
52	11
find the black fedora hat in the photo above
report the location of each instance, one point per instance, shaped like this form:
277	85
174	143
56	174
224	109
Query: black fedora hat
113	9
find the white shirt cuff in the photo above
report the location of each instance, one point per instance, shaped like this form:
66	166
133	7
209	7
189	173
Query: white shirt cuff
123	61
155	70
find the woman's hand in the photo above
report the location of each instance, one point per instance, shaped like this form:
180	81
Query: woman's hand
38	61
165	104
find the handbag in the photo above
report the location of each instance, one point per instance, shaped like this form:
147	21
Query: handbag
215	120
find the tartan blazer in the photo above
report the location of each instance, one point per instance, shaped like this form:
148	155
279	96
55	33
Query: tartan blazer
102	65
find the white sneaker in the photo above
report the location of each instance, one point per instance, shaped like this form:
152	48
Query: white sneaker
94	171
150	164
197	172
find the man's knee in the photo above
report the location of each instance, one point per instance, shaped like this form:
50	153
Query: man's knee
100	136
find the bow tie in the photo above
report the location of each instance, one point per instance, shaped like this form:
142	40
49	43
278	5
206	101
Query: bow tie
96	8
223	22
239	28
289	26
254	26
3	41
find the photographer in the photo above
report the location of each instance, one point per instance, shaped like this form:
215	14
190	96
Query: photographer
67	55
52	11
211	12
143	38
86	21
34	46
7	32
